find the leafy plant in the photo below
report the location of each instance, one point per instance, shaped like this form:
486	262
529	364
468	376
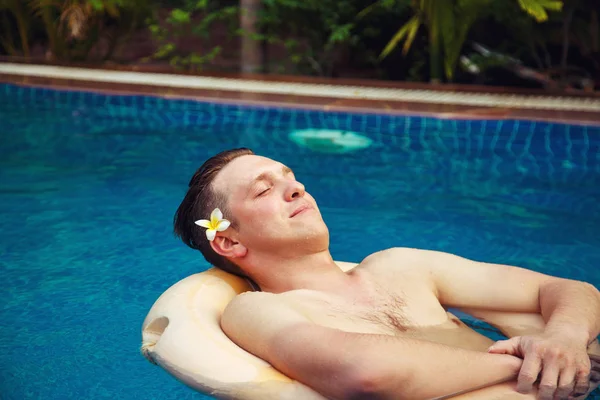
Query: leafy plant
195	18
565	47
313	33
538	9
21	16
72	27
448	23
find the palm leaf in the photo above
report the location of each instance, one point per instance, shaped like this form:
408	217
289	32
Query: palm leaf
414	28
74	16
364	12
448	23
22	18
538	8
111	9
38	6
409	30
383	4
467	12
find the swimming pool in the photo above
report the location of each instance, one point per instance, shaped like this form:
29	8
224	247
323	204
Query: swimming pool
90	183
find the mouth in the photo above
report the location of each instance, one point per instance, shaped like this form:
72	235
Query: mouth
300	210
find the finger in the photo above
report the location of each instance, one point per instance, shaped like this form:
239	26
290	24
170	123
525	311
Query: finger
528	374
595	375
582	382
595	366
509	346
595	379
595	372
581	391
549	379
581	396
566	382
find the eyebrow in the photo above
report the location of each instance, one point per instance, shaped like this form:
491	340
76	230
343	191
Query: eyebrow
265	175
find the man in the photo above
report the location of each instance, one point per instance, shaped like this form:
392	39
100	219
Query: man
380	329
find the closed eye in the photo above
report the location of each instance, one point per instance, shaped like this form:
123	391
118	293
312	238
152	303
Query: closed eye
263	192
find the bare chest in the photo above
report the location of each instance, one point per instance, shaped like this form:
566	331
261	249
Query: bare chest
395	316
377	310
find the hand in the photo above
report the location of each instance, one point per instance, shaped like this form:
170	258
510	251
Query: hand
562	361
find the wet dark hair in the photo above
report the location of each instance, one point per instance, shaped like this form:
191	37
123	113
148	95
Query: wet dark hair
199	201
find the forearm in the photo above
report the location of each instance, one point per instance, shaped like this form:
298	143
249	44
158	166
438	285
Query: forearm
347	365
571	308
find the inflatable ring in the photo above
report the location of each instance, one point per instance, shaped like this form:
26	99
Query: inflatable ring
182	334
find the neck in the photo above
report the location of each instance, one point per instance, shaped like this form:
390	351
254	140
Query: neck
315	271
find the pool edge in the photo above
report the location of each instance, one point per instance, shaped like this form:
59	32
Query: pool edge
584	111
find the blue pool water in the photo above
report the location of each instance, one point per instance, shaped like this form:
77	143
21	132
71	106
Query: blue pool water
89	185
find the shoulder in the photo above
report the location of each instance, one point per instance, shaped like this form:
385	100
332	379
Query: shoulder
248	305
250	299
406	264
400	258
406	257
259	310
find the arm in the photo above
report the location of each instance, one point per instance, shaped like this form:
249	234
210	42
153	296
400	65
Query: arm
343	365
570	310
567	306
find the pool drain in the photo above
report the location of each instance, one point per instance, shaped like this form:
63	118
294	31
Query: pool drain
329	140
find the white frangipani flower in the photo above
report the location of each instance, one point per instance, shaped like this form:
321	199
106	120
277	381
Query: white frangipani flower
216	224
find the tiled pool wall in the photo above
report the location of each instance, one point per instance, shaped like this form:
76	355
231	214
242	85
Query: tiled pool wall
533	144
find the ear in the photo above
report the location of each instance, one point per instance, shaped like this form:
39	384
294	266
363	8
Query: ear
228	247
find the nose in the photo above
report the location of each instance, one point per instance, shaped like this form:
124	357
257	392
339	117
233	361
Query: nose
294	190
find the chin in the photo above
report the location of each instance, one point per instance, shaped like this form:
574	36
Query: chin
319	236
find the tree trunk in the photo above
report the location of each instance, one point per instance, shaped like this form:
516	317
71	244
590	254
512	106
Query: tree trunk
435	45
55	47
435	59
251	48
565	48
21	18
7	42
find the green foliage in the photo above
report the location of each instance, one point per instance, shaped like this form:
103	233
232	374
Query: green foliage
586	32
525	38
408	31
448	23
455	28
538	9
190	18
314	32
179	16
565	47
402	39
72	27
22	19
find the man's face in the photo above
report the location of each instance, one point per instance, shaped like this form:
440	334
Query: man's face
271	208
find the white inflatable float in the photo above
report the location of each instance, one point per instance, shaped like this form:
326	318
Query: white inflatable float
182	334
